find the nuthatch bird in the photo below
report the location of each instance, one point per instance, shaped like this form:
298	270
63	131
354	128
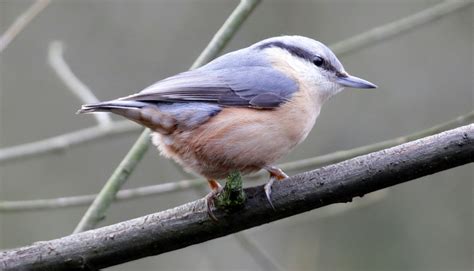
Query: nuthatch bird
242	111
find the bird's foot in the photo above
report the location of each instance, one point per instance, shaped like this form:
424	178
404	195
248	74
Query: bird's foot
229	198
275	174
268	191
209	200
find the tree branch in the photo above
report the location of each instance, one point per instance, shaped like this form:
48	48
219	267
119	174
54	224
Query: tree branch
78	88
189	224
21	22
353	43
392	29
346	154
265	261
63	142
163	188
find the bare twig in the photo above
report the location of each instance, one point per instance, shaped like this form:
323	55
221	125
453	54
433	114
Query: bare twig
153	190
190	224
63	142
21	22
78	88
96	211
392	29
125	194
345	154
342	47
226	32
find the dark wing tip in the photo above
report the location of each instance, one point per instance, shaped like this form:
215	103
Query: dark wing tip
267	100
86	108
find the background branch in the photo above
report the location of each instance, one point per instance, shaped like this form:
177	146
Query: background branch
65	141
346	154
264	260
21	22
189	224
390	30
351	44
163	188
78	88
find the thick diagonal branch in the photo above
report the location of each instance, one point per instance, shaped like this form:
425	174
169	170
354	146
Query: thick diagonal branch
189	224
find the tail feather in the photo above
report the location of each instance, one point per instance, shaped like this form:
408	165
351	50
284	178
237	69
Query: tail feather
163	118
110	105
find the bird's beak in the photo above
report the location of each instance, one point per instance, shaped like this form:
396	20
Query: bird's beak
354	82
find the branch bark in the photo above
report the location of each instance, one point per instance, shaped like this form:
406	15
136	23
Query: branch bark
189	224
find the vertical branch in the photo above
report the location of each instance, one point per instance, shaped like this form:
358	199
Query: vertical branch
96	211
99	206
226	32
21	22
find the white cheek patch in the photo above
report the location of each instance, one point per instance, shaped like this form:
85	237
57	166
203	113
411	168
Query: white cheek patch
317	80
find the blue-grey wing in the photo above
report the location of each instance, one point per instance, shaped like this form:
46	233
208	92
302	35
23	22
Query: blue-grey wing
256	86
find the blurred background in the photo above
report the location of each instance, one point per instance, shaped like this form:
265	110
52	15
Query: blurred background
425	77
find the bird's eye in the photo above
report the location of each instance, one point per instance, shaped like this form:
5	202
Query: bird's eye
318	61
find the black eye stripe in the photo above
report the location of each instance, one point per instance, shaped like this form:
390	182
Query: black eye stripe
296	51
299	52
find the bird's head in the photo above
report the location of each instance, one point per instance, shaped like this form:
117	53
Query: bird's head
310	62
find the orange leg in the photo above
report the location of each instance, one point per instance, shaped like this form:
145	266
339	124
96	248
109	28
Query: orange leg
275	174
216	188
214	185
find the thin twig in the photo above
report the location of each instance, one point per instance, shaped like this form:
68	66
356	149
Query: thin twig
345	154
342	47
122	195
153	190
190	223
78	88
21	22
393	29
65	141
226	32
97	210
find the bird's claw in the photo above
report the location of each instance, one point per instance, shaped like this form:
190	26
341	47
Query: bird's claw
209	200
268	191
275	174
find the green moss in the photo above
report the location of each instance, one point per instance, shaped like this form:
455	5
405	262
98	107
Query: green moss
232	196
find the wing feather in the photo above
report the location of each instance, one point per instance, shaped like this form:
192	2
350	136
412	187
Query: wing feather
250	86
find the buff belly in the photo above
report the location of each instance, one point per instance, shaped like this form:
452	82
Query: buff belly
242	139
